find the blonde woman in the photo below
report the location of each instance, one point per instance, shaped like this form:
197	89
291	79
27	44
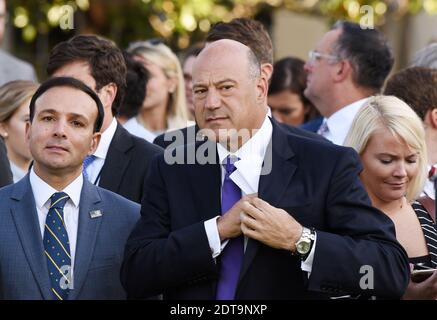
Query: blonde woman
164	107
390	139
14	114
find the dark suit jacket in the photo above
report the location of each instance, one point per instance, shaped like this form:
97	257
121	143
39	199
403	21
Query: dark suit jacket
187	135
316	182
5	169
312	125
126	164
99	249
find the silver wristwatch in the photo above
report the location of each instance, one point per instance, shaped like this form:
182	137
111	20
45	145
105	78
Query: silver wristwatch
305	242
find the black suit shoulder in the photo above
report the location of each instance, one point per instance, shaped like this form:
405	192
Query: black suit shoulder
126	164
302	132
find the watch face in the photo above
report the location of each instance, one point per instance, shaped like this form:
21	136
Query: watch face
303	247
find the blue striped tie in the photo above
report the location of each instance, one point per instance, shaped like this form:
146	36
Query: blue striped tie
86	162
57	247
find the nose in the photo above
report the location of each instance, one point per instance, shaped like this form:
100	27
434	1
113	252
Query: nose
59	128
307	66
212	100
400	170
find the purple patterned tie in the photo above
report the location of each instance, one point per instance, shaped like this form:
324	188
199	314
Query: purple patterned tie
232	255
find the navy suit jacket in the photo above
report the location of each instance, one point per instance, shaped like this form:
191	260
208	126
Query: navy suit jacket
187	135
126	164
312	125
99	249
315	182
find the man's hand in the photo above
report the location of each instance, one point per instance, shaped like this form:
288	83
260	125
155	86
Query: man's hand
229	224
425	290
269	225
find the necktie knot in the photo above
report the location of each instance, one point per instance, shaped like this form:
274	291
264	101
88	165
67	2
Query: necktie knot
324	129
230	164
58	200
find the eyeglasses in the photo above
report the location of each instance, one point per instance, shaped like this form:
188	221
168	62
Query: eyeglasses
317	56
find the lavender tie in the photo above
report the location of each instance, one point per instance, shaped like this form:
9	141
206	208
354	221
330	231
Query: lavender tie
232	255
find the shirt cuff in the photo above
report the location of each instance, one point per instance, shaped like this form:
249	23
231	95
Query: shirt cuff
213	237
307	265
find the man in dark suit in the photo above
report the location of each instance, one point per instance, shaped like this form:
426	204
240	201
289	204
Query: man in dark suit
121	161
251	33
5	169
348	65
308	230
61	237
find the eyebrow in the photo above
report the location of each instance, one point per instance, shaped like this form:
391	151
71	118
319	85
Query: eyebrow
216	83
53	111
395	156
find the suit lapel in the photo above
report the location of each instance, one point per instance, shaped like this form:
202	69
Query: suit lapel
116	160
26	221
206	182
273	183
87	233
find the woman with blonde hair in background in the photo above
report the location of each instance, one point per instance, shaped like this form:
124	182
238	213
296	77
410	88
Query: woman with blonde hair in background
14	114
390	139
164	107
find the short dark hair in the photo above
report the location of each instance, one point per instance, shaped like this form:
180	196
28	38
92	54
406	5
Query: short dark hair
417	87
289	75
136	82
104	58
73	83
193	51
249	32
368	52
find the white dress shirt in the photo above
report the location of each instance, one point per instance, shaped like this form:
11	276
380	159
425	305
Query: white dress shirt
94	169
428	189
246	177
17	173
42	193
340	122
137	129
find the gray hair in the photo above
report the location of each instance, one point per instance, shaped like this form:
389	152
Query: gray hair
426	57
254	64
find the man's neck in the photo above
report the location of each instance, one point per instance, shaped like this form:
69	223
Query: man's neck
107	120
342	97
431	143
57	179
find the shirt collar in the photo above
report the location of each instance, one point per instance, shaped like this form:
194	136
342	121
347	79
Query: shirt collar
251	156
105	140
339	123
255	147
42	191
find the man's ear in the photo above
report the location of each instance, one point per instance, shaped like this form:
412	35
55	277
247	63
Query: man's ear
107	94
94	142
262	87
267	70
433	118
342	70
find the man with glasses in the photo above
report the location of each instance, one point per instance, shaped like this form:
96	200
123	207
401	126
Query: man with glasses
12	68
348	65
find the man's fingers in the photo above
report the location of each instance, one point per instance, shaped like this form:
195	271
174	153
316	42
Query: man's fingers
261	205
250	233
251	210
248	221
